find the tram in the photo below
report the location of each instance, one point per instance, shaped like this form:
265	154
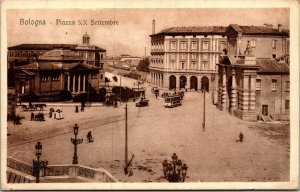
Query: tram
173	101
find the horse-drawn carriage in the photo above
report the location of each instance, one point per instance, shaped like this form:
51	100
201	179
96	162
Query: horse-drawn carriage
142	103
33	107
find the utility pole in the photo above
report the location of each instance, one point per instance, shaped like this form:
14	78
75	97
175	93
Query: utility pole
203	124
120	91
126	137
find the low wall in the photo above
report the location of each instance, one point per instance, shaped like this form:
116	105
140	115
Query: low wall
69	171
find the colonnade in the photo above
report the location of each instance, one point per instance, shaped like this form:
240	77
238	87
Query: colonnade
77	83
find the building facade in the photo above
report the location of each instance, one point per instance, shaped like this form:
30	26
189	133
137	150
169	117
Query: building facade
186	57
27	53
57	70
251	78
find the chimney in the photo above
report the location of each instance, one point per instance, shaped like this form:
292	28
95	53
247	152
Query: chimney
153	26
279	27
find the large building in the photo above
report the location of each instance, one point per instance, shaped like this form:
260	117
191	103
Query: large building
253	77
46	69
186	57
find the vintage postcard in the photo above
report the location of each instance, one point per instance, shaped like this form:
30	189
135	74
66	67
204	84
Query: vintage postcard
149	95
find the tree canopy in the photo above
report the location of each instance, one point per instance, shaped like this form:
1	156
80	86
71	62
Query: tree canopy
144	65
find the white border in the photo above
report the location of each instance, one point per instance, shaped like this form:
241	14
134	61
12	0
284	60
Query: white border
81	4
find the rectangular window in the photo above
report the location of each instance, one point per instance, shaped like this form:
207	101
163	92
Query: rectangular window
173	57
173	45
44	78
172	65
274	82
193	65
183	45
55	77
253	43
183	56
204	56
287	104
223	46
258	84
182	65
194	45
204	65
205	45
274	44
287	85
194	56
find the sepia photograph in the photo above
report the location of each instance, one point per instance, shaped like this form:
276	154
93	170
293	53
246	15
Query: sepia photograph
138	96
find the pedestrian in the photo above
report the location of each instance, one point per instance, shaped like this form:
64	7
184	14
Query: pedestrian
241	138
76	109
32	116
89	136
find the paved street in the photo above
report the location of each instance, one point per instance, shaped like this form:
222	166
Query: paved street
155	133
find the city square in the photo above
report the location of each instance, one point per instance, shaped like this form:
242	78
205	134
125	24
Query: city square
153	96
154	134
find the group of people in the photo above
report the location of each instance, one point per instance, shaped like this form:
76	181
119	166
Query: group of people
37	117
55	114
81	108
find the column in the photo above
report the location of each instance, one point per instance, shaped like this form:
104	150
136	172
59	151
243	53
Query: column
233	92
177	82
252	93
79	79
188	82
68	82
73	91
245	93
159	80
224	91
83	83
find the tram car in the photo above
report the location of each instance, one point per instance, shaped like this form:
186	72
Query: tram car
173	101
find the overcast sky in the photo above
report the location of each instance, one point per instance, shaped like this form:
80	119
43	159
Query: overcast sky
131	36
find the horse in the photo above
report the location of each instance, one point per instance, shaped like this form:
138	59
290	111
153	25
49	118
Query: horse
40	106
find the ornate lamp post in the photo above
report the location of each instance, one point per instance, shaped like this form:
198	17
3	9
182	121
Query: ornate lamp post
76	142
175	170
37	164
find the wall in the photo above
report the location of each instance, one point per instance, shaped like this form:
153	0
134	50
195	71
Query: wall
274	99
263	48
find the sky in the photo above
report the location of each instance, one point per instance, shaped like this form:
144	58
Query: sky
131	35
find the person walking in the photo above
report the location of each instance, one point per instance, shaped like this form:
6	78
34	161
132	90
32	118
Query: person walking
32	116
241	138
89	136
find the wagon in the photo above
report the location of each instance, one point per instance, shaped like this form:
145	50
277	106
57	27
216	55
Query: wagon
142	103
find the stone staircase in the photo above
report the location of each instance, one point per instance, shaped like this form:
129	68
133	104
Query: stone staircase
20	172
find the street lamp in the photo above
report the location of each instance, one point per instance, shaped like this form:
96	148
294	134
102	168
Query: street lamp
174	171
37	164
76	142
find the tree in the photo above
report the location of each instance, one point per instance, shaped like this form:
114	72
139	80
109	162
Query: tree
144	65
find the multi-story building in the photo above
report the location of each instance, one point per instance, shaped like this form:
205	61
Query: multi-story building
254	75
186	57
27	53
48	69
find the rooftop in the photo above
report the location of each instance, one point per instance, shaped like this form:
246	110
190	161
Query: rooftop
194	30
272	66
257	30
51	47
54	65
221	30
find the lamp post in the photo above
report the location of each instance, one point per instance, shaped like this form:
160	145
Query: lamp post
37	164
175	170
76	142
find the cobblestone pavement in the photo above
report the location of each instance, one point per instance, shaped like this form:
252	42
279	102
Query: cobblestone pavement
154	134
